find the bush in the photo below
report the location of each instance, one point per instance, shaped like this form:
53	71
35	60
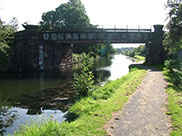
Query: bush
78	58
175	69
83	81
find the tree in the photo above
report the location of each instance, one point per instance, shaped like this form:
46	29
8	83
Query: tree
6	36
50	21
173	39
71	15
132	52
14	24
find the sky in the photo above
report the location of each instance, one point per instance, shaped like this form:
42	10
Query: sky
106	13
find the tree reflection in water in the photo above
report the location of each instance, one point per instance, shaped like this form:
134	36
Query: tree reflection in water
101	76
59	97
7	116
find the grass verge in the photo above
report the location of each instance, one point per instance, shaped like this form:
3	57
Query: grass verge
174	105
93	111
139	58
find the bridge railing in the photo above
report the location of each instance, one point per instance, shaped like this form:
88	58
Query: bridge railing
127	28
107	28
112	30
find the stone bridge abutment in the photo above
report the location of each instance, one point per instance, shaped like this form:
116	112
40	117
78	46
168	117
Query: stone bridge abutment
154	47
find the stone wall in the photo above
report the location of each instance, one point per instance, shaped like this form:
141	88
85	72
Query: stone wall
154	48
26	50
31	53
57	55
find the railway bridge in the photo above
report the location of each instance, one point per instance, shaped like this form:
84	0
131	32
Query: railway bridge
54	48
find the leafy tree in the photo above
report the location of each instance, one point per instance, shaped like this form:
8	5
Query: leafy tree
6	36
13	24
71	15
103	50
141	50
132	52
49	20
173	39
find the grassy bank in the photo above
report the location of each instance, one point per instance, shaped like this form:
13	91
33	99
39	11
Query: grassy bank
139	58
174	105
93	111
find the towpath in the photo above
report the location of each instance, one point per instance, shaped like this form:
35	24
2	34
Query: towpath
144	114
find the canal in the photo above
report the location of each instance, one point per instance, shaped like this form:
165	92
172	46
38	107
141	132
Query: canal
28	98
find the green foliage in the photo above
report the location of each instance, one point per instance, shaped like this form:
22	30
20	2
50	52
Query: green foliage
93	111
83	81
175	70
13	24
139	58
174	103
175	18
108	89
173	39
137	53
78	58
70	15
50	127
132	52
124	50
6	36
107	50
172	47
103	50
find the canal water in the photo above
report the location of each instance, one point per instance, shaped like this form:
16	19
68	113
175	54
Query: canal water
25	99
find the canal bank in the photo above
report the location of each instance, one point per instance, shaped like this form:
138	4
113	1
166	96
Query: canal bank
37	97
93	111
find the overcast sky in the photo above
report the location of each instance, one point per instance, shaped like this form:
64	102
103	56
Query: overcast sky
101	12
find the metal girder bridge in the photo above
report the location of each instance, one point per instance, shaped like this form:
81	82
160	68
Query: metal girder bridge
99	36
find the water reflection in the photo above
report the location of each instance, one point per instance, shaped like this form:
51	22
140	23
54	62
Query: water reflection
26	98
102	63
37	96
119	67
58	97
101	76
7	117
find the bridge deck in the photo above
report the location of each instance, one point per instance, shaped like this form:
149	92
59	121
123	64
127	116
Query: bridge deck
99	36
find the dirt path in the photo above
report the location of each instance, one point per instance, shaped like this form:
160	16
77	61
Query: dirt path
144	114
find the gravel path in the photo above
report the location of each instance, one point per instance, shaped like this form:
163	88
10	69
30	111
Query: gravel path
144	114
